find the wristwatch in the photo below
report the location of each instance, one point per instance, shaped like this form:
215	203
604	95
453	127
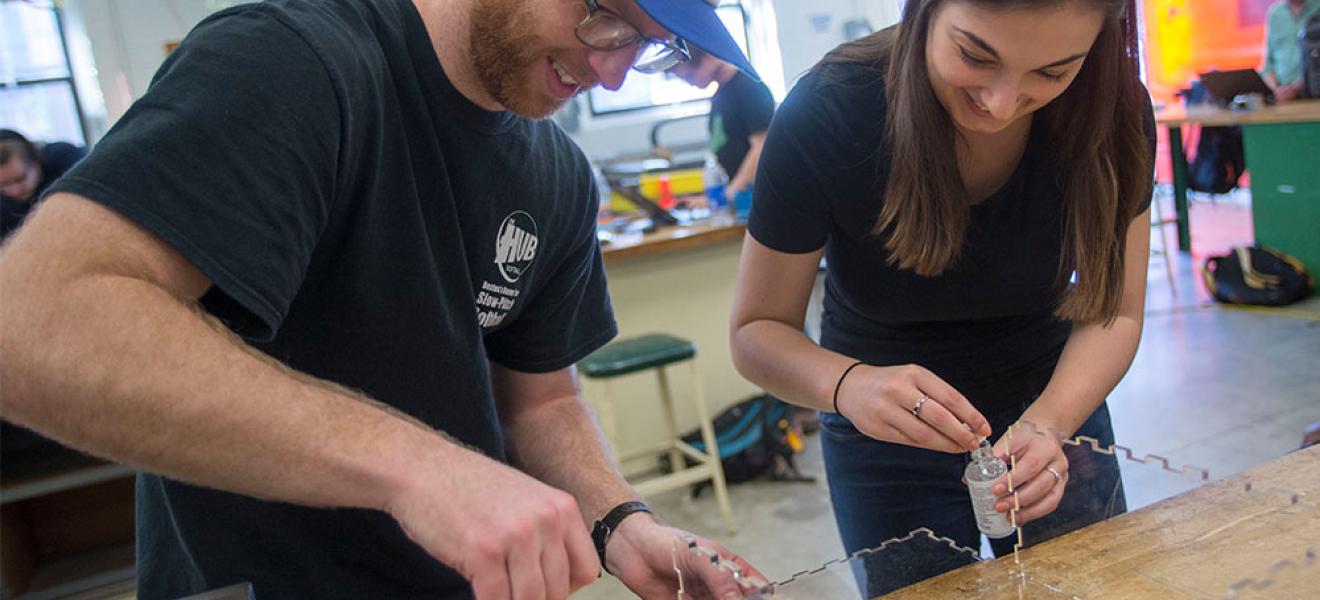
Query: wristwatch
601	531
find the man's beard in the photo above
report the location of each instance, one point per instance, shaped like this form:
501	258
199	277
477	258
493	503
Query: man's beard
505	53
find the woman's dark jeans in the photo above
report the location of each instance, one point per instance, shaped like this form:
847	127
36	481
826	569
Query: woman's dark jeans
882	491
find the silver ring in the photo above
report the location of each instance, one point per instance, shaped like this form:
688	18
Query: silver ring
1057	477
916	410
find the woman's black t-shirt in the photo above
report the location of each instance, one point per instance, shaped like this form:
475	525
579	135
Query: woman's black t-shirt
986	325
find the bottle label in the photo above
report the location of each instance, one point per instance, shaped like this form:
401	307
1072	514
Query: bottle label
992	523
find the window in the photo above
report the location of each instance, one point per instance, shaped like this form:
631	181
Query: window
37	97
646	91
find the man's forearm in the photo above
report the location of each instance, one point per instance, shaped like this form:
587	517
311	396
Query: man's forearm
117	366
559	443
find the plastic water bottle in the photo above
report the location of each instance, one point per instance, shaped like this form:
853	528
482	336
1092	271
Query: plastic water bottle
714	179
981	474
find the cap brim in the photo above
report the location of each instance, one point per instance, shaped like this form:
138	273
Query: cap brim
696	22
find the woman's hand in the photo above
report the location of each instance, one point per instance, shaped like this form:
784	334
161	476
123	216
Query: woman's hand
1039	472
910	405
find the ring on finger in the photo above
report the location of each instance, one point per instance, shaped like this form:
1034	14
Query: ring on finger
1058	478
916	409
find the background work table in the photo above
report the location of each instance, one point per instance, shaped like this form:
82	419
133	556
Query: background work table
1194	545
673	239
1280	145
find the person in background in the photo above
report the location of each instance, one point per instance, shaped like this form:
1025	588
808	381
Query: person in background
325	285
1283	50
740	113
957	170
26	170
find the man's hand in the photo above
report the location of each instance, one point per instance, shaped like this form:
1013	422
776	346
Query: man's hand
1286	93
512	536
641	554
733	188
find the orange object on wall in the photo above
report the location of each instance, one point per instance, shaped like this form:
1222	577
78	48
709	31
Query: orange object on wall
1185	38
1188	37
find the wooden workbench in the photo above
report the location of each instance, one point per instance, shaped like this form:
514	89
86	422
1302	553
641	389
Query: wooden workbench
1194	545
673	239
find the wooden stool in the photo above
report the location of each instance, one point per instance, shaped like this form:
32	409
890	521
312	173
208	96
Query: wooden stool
657	351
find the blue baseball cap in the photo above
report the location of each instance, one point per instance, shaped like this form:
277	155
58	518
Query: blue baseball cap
695	22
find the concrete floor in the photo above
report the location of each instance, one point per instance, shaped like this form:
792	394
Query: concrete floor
1213	387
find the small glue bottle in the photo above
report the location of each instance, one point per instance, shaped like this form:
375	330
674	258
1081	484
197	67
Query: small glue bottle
982	473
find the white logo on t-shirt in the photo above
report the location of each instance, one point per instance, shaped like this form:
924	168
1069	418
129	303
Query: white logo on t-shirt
515	245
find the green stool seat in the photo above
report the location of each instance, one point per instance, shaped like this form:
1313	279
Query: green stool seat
636	354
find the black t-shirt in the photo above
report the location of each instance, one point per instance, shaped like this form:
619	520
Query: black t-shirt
986	325
56	159
740	107
362	222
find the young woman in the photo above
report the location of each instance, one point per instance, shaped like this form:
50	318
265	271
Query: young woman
978	178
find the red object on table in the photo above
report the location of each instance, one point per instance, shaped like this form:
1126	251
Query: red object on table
667	200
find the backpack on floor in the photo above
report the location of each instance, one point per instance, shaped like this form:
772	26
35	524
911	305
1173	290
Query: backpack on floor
757	437
1257	275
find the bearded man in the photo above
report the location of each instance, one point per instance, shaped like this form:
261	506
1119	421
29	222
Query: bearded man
325	284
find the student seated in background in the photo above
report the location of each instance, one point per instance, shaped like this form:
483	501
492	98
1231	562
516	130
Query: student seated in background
740	114
26	170
1283	51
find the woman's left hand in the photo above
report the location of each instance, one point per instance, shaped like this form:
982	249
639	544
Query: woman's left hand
1040	474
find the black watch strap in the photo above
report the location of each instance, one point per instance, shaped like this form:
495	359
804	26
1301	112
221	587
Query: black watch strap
601	531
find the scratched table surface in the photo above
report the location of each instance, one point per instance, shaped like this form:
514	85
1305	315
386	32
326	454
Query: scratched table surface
1200	544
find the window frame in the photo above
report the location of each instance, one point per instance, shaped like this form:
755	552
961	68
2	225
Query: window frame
67	79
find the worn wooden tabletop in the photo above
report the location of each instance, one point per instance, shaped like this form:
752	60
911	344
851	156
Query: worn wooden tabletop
1298	111
1194	545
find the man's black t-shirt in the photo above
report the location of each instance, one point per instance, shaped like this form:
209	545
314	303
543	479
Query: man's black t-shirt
362	222
742	106
56	159
986	325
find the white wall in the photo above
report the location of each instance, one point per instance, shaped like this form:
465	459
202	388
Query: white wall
810	28
127	40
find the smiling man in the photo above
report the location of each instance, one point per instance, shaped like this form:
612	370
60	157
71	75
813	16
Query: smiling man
325	284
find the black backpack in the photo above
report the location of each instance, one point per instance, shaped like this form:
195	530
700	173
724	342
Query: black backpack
1257	275
1219	160
757	437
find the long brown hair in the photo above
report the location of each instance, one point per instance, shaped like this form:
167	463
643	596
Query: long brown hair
1094	130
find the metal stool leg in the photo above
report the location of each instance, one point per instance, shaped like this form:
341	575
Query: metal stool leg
671	420
712	450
